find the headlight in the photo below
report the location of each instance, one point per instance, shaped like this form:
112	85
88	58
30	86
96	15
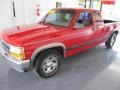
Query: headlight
17	52
14	51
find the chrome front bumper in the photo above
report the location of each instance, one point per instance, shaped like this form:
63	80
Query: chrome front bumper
19	66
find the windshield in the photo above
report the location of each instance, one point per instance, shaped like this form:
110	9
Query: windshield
59	17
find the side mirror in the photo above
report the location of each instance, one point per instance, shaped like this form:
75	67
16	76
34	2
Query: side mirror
77	25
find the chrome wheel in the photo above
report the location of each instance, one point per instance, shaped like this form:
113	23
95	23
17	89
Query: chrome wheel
50	64
112	41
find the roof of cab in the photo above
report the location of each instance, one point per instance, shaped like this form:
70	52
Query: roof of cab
77	9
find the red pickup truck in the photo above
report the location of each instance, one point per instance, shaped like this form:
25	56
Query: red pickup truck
61	33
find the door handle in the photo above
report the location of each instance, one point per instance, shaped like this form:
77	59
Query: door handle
93	29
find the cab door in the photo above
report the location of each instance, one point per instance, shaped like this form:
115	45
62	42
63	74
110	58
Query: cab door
82	32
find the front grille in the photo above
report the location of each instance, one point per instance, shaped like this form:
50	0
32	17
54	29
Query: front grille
5	46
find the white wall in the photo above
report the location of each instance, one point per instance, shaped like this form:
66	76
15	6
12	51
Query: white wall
107	11
71	3
45	6
111	11
25	13
5	14
26	10
30	14
116	12
20	12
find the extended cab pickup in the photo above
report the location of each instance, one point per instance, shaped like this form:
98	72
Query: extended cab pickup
61	33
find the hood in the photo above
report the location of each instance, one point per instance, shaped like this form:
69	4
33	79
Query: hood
26	34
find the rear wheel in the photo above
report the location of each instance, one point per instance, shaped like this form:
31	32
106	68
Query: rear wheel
48	63
111	41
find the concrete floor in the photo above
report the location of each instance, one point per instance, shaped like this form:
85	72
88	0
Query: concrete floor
95	69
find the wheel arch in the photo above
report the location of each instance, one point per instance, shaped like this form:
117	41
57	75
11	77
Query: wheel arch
58	46
116	32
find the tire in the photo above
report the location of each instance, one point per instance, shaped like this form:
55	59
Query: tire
48	63
111	41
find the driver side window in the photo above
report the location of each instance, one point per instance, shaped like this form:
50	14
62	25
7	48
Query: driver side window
85	19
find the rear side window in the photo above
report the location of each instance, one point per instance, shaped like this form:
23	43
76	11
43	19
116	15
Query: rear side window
97	16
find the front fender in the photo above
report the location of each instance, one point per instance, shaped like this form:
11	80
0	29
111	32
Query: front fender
45	47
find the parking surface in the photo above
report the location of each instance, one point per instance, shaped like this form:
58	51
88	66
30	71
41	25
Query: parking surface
95	69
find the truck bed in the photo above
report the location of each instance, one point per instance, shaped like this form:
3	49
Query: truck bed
109	21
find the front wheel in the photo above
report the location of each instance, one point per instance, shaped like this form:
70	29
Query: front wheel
48	63
111	41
